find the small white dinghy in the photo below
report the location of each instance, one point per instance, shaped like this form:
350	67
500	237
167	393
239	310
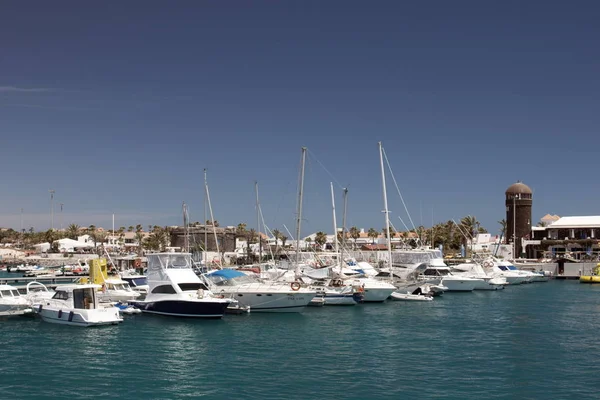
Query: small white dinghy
127	309
410	297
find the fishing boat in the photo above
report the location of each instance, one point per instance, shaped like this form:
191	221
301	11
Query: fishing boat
77	305
175	290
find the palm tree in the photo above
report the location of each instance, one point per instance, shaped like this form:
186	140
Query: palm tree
283	240
354	234
276	235
308	241
392	232
251	239
469	225
139	238
373	234
73	231
130	229
241	229
542	224
321	238
502	223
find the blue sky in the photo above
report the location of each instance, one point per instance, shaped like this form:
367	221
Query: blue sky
119	106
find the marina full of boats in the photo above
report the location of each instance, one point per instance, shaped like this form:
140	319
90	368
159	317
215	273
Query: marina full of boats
172	286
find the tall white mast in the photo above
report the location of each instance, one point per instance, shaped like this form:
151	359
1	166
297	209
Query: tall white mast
386	212
186	230
258	224
343	229
205	250
212	220
299	220
335	240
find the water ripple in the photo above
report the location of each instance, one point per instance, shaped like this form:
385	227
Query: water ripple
527	342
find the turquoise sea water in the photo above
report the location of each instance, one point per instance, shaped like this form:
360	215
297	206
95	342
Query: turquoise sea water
537	341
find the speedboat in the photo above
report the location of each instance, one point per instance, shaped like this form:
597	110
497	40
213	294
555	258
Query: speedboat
506	269
175	290
127	309
77	305
12	302
139	283
115	289
373	290
474	270
259	296
443	275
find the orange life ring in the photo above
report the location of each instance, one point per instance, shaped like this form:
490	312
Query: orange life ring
295	286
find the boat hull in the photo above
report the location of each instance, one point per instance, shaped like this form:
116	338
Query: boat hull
460	285
274	302
75	317
409	297
376	295
183	308
342	299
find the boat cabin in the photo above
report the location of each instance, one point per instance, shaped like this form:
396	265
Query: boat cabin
136	281
7	291
508	268
80	296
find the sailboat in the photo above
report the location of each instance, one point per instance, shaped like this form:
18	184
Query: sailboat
395	295
334	292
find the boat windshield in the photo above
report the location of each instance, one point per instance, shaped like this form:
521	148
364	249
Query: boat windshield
193	286
119	286
436	272
137	281
223	281
503	267
16	293
512	267
5	293
169	260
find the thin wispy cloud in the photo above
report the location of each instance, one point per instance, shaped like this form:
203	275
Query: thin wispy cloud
16	89
47	107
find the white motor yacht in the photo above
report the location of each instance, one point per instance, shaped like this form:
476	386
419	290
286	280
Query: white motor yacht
115	290
474	270
373	290
175	290
444	276
513	275
137	282
12	302
259	296
77	305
